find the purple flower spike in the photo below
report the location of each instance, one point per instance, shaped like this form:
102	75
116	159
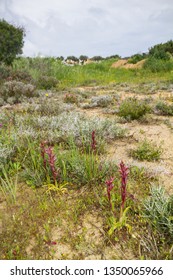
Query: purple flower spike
110	186
93	142
124	171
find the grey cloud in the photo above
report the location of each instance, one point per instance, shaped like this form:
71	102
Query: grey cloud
90	27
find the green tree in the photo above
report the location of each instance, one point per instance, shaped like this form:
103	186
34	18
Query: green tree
97	58
83	57
72	57
162	51
11	41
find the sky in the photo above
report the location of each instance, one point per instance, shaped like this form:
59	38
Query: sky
90	27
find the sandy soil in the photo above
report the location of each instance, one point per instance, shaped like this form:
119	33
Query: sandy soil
157	131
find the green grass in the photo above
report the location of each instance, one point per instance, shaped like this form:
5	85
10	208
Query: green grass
99	73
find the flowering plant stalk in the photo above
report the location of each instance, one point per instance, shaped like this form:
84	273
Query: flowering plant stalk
110	186
50	161
124	171
122	222
93	141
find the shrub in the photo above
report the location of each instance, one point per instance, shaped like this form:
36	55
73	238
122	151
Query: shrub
46	82
71	125
164	109
101	101
47	108
161	50
136	58
16	90
5	72
70	98
147	151
133	109
158	65
19	75
158	210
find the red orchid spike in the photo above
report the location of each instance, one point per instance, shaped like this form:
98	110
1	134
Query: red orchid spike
93	143
51	158
110	186
124	171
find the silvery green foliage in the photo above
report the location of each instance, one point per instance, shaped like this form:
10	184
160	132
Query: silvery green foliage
15	90
11	100
5	153
76	125
158	209
27	132
62	127
3	117
1	101
101	101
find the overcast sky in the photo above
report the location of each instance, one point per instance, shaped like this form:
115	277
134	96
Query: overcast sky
90	27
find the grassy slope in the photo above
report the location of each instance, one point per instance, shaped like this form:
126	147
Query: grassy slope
92	74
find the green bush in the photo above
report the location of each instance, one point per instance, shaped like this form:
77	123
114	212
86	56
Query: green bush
161	50
158	210
158	65
164	109
147	151
136	58
21	75
5	72
46	82
133	109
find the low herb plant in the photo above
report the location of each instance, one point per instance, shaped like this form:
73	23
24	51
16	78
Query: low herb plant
147	150
164	109
46	82
70	98
8	184
158	211
133	109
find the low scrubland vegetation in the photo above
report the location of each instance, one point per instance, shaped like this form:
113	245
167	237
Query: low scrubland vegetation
62	196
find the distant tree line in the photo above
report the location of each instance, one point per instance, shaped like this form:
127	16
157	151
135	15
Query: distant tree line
12	41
